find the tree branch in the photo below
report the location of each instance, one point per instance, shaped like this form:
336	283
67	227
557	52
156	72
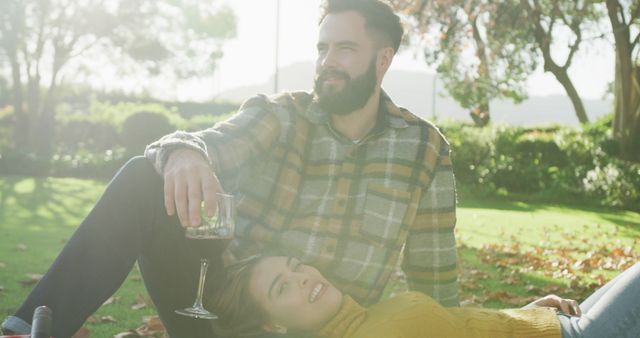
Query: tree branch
573	49
635	41
621	14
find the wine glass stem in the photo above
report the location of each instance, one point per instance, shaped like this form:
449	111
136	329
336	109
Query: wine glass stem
204	264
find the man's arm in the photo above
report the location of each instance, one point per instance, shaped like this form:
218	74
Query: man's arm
189	162
430	259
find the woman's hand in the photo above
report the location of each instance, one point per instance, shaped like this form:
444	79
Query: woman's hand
567	306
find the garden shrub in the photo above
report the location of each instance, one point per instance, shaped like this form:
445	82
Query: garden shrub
555	163
142	128
199	122
90	132
86	134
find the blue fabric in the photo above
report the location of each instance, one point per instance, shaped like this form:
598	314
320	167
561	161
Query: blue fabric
611	312
15	325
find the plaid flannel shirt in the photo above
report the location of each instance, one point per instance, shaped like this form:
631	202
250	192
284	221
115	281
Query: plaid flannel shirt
347	208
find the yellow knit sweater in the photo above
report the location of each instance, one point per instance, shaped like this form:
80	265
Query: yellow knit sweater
415	315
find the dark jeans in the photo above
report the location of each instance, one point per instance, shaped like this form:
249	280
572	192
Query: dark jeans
128	223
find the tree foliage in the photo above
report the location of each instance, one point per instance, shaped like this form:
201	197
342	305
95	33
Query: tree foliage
478	56
45	43
505	41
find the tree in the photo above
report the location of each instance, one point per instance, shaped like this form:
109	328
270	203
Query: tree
48	42
624	17
506	39
548	17
478	56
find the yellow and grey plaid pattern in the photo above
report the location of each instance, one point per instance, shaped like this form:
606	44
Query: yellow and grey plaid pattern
348	209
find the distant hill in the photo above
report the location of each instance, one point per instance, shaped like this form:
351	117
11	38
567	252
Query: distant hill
414	90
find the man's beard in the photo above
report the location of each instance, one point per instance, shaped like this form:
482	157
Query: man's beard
354	94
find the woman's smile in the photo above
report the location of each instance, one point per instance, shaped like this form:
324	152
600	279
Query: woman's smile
317	291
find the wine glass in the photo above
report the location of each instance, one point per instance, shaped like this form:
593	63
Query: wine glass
208	240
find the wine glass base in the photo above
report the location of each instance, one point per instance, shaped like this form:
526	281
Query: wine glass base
196	313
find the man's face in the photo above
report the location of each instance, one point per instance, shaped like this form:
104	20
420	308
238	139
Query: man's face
346	71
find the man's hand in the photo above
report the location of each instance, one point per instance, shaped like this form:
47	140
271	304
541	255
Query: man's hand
187	180
567	306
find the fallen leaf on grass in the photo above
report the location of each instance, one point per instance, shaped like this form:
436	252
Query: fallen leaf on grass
111	300
101	319
141	303
552	289
151	328
508	297
473	301
138	306
32	278
82	333
128	334
152	325
21	247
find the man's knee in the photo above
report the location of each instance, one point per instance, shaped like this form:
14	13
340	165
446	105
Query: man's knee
138	174
139	165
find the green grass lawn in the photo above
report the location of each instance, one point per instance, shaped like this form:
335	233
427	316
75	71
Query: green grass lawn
532	249
510	251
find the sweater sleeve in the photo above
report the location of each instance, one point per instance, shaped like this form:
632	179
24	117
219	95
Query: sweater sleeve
227	145
430	258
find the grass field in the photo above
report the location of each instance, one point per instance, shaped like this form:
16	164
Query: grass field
510	251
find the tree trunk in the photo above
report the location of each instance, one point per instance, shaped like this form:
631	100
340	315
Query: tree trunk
562	77
45	125
481	114
543	39
21	124
626	122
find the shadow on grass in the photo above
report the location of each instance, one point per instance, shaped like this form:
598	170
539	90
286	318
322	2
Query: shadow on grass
617	219
629	221
469	201
42	201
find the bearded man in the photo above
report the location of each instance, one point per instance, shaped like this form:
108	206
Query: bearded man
341	178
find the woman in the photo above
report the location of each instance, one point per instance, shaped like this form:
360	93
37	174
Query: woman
280	294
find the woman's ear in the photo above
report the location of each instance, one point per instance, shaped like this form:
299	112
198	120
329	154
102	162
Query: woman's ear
275	328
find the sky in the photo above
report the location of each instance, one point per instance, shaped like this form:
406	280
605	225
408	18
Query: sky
250	57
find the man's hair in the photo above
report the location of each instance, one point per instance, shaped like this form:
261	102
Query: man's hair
240	315
380	20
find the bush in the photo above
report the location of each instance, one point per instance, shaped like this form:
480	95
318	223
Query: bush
86	134
199	122
142	128
94	137
556	163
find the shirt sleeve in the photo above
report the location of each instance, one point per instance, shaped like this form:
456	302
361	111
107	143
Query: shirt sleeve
430	257
228	145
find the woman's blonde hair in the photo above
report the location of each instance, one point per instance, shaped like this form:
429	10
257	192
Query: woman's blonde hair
240	315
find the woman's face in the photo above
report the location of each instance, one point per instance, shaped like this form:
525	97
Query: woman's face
294	295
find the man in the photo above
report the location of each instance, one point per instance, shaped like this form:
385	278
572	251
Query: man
341	178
